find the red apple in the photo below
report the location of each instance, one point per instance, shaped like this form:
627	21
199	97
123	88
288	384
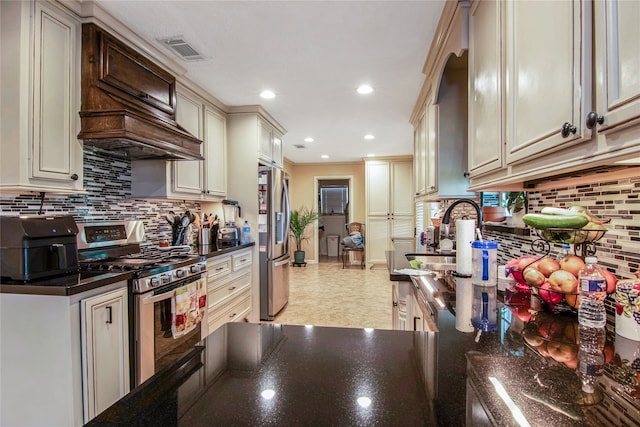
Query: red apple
548	295
612	280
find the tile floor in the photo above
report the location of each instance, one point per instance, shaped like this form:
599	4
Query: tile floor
325	294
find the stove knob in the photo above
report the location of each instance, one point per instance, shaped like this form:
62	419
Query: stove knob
181	273
195	268
154	281
166	278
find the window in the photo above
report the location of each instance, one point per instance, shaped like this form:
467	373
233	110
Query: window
334	199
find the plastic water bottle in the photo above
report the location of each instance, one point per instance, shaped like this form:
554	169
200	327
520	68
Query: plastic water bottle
565	251
590	356
593	285
246	233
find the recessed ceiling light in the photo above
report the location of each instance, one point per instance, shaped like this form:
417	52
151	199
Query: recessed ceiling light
369	137
371	155
364	89
308	139
324	156
267	94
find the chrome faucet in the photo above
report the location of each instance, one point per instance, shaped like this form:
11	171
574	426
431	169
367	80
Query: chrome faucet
447	214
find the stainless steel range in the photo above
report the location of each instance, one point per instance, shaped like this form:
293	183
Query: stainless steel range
167	293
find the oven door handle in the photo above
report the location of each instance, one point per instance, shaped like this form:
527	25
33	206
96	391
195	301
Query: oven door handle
160	297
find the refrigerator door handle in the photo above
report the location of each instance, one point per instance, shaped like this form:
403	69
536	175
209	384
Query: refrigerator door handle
283	262
287	211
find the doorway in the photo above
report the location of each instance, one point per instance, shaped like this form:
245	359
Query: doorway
334	206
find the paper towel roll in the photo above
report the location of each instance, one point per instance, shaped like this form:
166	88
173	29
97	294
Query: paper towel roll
465	232
464	304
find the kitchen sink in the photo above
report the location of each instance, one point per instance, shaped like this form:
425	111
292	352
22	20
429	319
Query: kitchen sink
439	263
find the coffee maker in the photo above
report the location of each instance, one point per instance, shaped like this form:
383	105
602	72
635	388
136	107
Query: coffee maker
230	233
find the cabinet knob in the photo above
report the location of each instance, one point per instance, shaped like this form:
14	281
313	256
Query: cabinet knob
75	177
143	95
592	119
568	129
466	174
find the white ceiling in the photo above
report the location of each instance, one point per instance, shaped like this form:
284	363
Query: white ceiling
313	55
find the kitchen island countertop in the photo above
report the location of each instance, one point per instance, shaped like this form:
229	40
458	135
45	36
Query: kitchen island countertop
271	374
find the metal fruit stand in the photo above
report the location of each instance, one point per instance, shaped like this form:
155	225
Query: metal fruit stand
583	241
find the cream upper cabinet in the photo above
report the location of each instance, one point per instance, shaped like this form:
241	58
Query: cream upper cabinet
486	137
270	145
419	155
40	99
189	174
377	174
617	68
215	135
389	205
548	90
188	179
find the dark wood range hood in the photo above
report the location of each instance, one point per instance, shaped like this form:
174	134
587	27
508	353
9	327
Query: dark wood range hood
129	103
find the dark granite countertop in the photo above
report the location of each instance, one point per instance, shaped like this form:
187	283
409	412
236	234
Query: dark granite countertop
73	284
227	250
270	374
67	285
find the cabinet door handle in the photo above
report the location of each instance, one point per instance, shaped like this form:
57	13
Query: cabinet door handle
219	268
568	129
109	314
395	304
232	288
414	323
143	95
592	119
231	316
466	174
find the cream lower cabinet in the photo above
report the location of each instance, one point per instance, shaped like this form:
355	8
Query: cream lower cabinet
389	205
228	288
105	341
67	356
40	68
401	294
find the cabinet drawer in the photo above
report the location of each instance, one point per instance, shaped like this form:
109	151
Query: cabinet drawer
225	290
241	260
235	313
218	267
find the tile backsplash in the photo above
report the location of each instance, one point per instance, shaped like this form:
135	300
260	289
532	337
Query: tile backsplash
107	179
618	250
619	200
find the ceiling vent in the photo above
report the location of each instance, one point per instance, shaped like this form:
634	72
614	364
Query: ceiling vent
181	48
299	146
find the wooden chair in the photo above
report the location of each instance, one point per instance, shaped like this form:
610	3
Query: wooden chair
351	228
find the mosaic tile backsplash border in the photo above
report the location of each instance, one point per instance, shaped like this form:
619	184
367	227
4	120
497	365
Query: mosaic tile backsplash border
107	180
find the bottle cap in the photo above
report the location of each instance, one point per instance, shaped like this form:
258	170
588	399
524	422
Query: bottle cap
591	260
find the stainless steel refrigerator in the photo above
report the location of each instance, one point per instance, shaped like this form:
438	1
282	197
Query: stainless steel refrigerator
273	240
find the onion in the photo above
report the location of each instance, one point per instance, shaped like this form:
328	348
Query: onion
573	264
547	266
